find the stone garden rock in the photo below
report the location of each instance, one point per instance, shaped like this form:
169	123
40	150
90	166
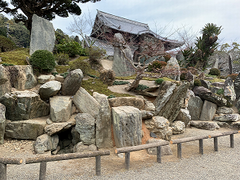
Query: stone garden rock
160	126
103	122
237	86
127	101
59	78
58	127
165	150
206	94
2	122
236	125
189	77
27	129
227	118
172	69
224	110
49	89
45	143
229	91
167	103
208	111
42	35
208	125
195	107
149	106
205	83
23	105
147	114
218	84
42	79
215	89
72	82
21	76
178	127
60	108
85	126
75	136
184	116
127	126
5	85
121	66
81	98
80	147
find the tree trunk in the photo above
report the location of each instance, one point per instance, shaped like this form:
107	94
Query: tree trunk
136	81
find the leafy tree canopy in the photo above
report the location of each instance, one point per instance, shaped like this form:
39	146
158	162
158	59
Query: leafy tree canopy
47	9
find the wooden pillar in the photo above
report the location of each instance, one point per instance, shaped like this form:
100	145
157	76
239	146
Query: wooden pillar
179	150
43	169
3	171
215	143
127	160
98	165
159	148
232	140
201	146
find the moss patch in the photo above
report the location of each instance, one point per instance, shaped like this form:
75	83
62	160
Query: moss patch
16	57
96	85
62	68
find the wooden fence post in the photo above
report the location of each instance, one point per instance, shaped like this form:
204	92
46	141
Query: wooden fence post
179	150
43	169
159	154
201	146
98	165
127	160
215	143
232	140
3	171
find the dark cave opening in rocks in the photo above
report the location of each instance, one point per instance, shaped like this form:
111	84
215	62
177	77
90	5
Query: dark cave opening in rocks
65	141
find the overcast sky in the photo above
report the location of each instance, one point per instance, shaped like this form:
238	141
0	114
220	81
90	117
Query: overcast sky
173	14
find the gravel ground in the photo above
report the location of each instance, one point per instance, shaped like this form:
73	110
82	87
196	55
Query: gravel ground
223	164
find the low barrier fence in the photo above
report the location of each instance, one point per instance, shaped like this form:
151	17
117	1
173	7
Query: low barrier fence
97	154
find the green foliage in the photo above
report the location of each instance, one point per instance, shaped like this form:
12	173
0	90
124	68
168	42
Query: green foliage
16	57
71	48
120	82
42	60
95	53
64	75
111	96
197	82
141	87
6	44
220	91
92	76
61	58
159	81
80	64
6	64
214	71
54	73
156	65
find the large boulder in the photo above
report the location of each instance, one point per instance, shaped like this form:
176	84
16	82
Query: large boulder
2	122
27	129
208	111
172	69
72	82
42	79
237	86
122	66
178	127
85	126
49	89
60	108
227	118
167	103
24	105
224	110
195	107
21	77
127	101
184	116
80	147
42	35
127	126
160	126
103	122
45	143
165	150
59	127
5	85
207	125
206	94
85	103
229	91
